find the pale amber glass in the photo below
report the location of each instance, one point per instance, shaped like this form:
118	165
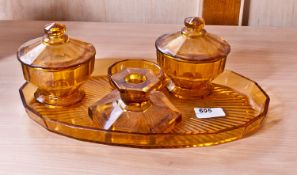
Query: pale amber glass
191	59
57	65
138	63
133	107
244	102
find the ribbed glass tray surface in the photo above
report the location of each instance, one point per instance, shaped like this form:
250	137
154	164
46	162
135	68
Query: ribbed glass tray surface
243	101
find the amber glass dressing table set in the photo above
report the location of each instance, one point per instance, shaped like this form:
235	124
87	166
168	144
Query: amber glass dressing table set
185	99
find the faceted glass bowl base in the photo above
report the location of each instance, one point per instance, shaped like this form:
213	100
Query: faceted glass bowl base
243	101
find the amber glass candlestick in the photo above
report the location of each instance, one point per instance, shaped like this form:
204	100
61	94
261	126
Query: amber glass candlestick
137	63
191	59
57	65
135	106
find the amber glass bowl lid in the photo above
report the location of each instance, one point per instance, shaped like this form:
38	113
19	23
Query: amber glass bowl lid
55	50
193	43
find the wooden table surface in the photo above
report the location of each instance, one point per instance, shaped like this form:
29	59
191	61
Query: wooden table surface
266	55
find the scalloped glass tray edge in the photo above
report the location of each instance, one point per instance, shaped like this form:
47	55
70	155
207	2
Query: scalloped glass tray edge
243	100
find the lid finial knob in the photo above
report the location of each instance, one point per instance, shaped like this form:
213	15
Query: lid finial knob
55	29
55	33
195	23
194	26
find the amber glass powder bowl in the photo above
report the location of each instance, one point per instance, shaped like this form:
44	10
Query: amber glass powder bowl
57	65
191	59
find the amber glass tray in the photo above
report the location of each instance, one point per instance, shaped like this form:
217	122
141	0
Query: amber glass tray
243	101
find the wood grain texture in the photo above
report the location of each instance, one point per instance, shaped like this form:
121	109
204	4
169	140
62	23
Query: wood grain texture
221	12
273	13
175	11
258	13
261	54
131	11
93	10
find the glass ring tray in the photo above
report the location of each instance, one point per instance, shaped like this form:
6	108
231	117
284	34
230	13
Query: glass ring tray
243	101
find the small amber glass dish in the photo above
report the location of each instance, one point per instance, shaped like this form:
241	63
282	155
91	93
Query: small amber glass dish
57	65
137	63
191	59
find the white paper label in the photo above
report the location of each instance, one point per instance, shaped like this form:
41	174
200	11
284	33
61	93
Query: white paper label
170	86
209	112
